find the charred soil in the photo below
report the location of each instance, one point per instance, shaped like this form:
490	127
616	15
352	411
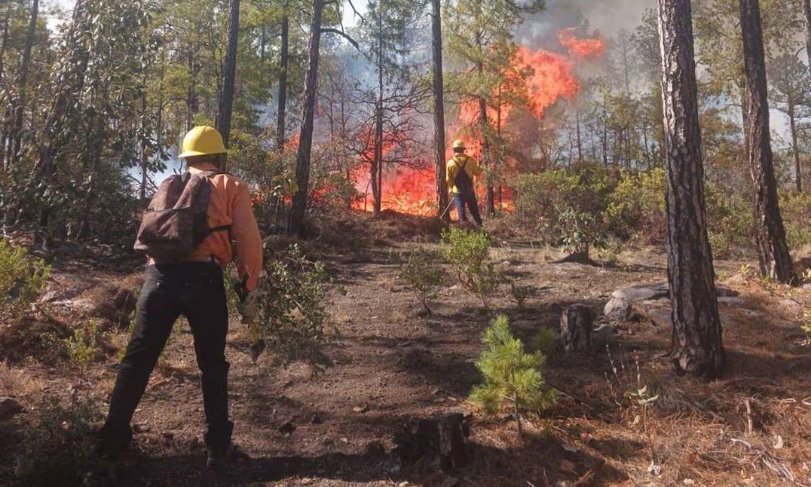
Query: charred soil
391	365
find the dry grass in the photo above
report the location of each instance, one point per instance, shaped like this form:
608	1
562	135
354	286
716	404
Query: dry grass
17	382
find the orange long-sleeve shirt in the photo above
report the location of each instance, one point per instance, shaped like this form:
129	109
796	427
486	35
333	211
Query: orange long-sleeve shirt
230	204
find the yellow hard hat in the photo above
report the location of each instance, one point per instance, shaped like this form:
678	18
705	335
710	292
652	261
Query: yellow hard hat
202	141
459	144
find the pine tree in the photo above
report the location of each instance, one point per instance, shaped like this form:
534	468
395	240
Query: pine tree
696	345
512	377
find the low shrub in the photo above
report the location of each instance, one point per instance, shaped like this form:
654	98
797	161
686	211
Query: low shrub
22	279
58	449
566	207
291	314
424	275
468	254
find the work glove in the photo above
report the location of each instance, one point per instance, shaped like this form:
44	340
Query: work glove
247	301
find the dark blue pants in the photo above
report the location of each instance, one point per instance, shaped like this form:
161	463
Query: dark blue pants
469	199
196	290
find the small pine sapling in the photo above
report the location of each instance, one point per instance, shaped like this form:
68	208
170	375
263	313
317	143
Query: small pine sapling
512	377
423	275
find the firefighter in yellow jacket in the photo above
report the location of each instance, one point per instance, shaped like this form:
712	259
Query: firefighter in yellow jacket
461	170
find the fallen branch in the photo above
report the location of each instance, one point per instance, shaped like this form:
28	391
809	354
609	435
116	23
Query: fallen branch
771	462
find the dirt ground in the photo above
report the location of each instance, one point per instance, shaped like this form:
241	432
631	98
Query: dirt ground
336	428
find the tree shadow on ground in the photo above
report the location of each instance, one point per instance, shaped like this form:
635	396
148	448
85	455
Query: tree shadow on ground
542	459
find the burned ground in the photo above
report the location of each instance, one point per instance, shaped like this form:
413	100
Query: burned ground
337	427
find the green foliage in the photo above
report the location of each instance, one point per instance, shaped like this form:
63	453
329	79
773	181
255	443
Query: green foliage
636	207
291	306
796	211
82	347
546	340
22	279
512	377
520	293
468	254
424	275
566	206
58	450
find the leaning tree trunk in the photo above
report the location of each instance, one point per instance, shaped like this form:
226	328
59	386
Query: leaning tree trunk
229	76
439	109
296	220
22	82
770	236
284	57
696	343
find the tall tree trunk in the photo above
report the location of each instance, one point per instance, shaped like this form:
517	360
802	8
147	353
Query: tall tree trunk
3	43
22	84
807	15
296	220
794	147
696	343
484	127
770	236
229	75
377	160
284	60
439	108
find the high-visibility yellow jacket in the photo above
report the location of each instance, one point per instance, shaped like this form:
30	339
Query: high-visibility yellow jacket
471	167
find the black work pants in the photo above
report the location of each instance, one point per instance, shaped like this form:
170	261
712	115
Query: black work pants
469	199
196	290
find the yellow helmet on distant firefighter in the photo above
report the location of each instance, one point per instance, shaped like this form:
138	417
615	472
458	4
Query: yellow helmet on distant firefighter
202	140
459	145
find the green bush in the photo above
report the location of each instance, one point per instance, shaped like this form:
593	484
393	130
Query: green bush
796	211
729	222
567	207
424	275
291	306
512	377
468	254
636	207
22	279
83	345
546	340
58	449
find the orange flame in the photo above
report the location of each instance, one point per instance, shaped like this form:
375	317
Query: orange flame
552	78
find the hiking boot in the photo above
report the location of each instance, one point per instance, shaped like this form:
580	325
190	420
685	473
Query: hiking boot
112	441
220	459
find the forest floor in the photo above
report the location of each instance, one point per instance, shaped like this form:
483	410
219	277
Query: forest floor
336	428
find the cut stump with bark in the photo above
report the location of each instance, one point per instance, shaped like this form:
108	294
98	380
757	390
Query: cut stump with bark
436	443
576	323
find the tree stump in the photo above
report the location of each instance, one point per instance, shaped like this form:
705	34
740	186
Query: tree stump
575	328
436	443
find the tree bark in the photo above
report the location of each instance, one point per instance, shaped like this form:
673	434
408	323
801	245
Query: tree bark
696	342
22	82
792	115
770	235
296	220
284	60
229	75
377	160
807	15
439	109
